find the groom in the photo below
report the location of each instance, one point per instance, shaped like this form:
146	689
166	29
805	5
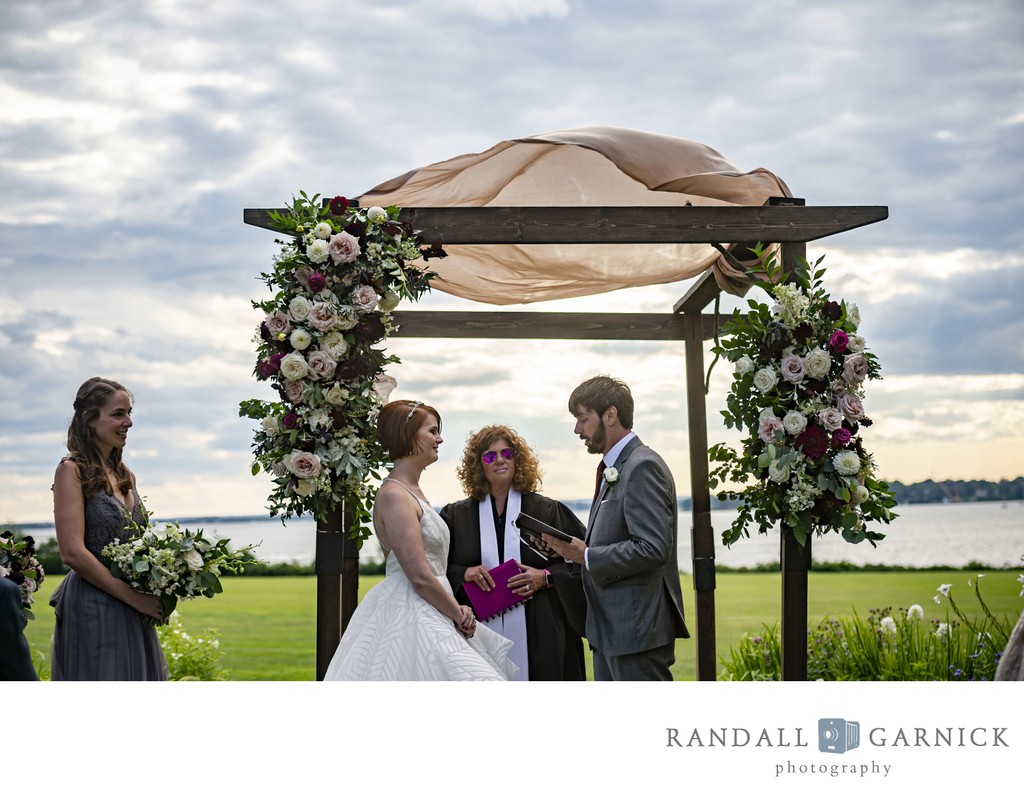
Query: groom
630	572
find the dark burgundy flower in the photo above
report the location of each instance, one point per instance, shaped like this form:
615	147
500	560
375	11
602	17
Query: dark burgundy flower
392	227
264	370
838	342
840	437
369	331
339	420
832	310
275	362
352	368
356	228
813	442
266	334
316	282
814	386
803	332
290	420
339	204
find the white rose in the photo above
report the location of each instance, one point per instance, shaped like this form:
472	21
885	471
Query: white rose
378	214
817	363
611	475
304	487
298	308
347	317
765	379
857	344
335	345
389	302
853	314
193	560
743	365
294	367
336	395
794	422
777	473
300	339
270	425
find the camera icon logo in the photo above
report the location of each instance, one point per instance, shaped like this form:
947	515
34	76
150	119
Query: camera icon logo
837	736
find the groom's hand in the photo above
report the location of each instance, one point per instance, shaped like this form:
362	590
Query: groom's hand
571	551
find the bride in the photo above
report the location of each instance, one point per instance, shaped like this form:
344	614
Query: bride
409	627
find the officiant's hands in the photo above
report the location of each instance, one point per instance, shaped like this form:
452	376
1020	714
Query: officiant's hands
528	581
480	576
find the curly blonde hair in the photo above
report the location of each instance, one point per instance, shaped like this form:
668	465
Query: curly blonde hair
527	477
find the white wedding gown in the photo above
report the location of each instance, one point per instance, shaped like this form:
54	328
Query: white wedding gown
396	635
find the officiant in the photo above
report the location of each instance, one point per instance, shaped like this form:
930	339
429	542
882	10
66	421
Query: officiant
500	475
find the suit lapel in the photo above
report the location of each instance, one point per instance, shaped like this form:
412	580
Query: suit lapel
618	466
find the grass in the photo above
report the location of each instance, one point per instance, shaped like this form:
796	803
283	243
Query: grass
266	625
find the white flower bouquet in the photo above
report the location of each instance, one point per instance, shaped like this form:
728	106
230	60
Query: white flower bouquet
18	564
174	563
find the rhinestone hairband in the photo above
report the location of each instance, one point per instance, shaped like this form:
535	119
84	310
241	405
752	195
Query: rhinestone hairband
415	405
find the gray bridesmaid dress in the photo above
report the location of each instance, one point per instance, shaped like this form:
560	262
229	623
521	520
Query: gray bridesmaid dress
97	637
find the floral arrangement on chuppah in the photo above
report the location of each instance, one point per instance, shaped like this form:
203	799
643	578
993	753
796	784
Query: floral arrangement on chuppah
334	287
798	396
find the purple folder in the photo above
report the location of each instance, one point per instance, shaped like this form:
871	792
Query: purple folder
489	604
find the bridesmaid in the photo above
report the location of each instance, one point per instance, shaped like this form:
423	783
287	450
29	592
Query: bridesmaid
100	633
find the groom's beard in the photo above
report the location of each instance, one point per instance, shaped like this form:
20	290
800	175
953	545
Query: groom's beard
596	444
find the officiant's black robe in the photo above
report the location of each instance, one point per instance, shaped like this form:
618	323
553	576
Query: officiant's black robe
555	617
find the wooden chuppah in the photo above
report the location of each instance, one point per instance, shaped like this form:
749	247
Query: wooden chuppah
788	223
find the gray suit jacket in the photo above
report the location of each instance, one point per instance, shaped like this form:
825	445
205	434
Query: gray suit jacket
632	581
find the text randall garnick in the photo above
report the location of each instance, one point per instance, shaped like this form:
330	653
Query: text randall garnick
793	737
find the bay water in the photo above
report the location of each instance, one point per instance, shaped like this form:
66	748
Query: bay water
924	535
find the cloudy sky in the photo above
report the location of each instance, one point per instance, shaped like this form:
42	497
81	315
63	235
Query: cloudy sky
132	136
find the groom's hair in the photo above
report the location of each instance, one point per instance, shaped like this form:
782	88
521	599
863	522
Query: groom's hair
600	393
398	423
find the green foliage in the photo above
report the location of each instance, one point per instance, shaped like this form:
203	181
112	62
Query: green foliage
886	646
191	657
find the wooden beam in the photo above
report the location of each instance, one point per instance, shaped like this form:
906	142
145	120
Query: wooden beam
544	325
623	225
698	295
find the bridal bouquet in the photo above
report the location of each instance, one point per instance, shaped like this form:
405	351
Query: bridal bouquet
798	396
174	563
18	564
334	286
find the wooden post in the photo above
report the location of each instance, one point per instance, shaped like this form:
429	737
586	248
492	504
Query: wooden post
796	562
702	535
337	584
795	559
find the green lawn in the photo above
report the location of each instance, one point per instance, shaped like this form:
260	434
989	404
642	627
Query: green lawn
266	625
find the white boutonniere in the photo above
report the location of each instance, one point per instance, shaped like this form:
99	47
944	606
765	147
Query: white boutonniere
611	476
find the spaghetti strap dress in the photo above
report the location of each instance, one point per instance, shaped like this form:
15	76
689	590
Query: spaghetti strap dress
97	637
396	635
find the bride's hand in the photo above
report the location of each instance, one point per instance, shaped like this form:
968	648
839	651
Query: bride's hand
467	624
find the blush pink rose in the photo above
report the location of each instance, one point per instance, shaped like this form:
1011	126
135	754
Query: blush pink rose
278	322
322	317
294	391
768	427
793	369
303	464
851	407
855	368
364	299
321	365
343	248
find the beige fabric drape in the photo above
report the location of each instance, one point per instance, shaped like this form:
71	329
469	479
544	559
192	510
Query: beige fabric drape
590	166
